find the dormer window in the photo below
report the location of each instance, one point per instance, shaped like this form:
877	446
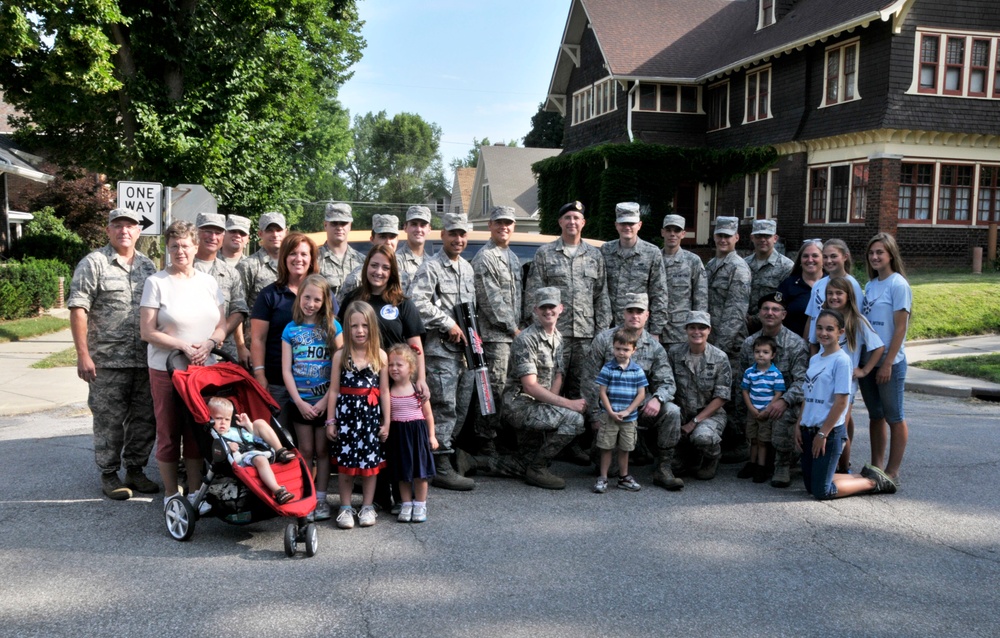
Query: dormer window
765	13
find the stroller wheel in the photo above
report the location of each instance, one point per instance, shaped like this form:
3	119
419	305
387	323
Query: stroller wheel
290	533
180	518
312	540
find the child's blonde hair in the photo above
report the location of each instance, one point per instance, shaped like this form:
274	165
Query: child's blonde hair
222	403
406	352
852	316
373	350
324	318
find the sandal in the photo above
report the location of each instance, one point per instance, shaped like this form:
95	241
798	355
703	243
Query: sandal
284	455
282	496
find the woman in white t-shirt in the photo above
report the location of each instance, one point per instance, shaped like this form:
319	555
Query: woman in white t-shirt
181	309
821	430
887	304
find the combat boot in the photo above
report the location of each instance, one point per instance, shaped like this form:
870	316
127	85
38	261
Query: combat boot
782	471
537	472
709	465
465	462
540	476
663	475
447	478
113	488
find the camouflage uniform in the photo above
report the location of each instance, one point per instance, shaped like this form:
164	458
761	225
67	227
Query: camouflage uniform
257	271
438	286
766	277
699	380
232	261
688	287
119	396
409	263
335	269
792	360
728	300
351	283
582	283
636	269
498	303
231	285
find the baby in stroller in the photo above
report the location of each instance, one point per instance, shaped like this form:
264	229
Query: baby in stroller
253	442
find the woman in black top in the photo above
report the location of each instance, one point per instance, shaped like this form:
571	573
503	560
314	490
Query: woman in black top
797	287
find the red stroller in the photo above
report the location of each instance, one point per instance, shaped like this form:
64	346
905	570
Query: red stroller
236	493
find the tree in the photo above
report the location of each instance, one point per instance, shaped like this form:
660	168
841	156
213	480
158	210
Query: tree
393	160
199	91
546	129
80	200
472	159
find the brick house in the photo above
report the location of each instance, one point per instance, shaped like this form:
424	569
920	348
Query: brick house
885	113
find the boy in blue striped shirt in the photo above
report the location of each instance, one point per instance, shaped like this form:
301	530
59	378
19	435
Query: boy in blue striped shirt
762	383
622	386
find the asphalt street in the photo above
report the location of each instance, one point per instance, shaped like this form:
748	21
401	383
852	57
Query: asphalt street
725	557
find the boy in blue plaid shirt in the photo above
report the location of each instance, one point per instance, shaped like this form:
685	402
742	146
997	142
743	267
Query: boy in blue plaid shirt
622	386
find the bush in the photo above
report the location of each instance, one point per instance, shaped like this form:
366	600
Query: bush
45	237
28	287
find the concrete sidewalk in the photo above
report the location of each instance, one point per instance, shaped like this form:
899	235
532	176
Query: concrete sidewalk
24	389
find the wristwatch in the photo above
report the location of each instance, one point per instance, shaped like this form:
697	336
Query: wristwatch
695	420
820	434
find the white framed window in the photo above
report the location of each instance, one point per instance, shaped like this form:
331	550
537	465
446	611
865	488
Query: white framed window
949	193
487	200
717	106
758	93
841	82
594	100
956	64
751	185
837	193
771	208
760	193
765	13
668	98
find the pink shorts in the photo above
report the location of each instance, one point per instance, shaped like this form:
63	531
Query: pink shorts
170	427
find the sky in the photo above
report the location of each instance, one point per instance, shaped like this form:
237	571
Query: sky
476	68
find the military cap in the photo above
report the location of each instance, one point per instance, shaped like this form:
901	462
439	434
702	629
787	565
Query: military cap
637	300
268	219
211	219
118	213
699	317
418	212
674	220
548	296
338	212
764	227
502	212
727	225
385	224
239	224
456	221
572	206
627	213
774	297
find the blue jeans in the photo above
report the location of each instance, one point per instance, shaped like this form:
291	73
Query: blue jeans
817	474
885	401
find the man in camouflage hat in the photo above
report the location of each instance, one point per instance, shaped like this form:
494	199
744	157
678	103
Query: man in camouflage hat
655	414
103	302
634	265
498	302
544	421
211	232
686	280
704	384
261	268
336	257
768	267
385	231
441	283
236	238
792	360
412	252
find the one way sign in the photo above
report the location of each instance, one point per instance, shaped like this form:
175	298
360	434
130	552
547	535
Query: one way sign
145	198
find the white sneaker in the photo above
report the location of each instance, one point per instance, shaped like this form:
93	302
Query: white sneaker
405	513
345	519
419	513
203	508
367	516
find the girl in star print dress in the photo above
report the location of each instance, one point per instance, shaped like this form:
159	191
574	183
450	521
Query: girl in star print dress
359	409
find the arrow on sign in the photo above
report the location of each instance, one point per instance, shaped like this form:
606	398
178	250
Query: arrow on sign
146	222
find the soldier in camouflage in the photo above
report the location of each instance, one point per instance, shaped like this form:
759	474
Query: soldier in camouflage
385	230
237	236
792	360
412	252
655	414
686	280
728	288
704	382
441	283
336	257
632	266
498	303
260	270
211	231
545	422
104	317
768	267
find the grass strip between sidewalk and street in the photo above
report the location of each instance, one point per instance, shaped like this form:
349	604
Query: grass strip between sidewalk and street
64	359
20	329
949	304
984	366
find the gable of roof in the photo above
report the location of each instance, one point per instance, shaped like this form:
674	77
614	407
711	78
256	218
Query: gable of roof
461	190
507	170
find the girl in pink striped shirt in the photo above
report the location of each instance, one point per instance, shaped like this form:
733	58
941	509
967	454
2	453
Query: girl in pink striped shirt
411	458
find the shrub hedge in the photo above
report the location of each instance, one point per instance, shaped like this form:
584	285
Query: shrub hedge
29	286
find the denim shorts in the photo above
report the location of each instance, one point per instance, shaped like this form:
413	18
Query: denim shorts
885	401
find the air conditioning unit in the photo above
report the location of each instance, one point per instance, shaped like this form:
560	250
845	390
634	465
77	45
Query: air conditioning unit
750	212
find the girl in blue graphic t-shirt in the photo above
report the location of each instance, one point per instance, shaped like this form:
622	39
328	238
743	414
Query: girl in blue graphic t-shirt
307	346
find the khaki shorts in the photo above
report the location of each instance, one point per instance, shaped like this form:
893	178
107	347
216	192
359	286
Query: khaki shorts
759	430
611	435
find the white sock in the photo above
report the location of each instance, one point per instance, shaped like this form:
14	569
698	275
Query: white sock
420	503
410	503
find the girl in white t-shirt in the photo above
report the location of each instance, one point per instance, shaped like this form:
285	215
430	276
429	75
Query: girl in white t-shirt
858	337
836	263
821	430
887	304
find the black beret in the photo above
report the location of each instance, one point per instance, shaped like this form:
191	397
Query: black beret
572	206
774	297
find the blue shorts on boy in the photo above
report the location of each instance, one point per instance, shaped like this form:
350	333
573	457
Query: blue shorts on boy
622	385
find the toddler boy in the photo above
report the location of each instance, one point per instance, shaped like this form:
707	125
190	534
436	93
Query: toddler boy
622	386
762	383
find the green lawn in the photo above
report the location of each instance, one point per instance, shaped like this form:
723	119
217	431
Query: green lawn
19	329
64	359
954	304
985	367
